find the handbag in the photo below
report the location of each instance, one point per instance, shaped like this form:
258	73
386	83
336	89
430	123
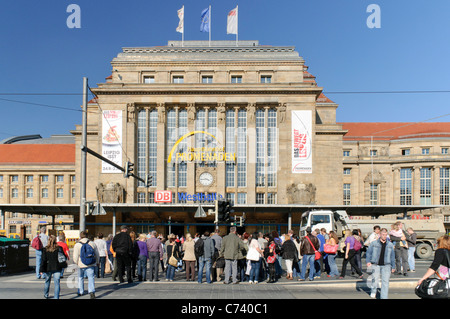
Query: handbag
434	288
253	254
172	260
317	254
330	249
62	259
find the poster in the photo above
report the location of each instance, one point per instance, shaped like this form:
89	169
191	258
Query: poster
112	140
301	142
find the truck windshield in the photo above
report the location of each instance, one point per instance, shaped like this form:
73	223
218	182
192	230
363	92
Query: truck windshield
320	219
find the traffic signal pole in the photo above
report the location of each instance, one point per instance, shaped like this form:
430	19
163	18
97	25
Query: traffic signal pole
83	158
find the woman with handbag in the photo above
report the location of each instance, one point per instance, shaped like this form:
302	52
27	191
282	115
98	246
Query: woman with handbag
52	262
254	255
330	248
173	256
350	253
441	263
288	252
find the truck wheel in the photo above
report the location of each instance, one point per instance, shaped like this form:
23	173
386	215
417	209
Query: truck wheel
424	251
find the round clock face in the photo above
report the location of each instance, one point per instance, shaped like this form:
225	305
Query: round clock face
206	179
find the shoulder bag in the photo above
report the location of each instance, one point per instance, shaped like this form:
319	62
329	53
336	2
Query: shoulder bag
435	288
317	254
172	260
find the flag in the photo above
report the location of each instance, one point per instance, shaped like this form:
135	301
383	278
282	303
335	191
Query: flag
180	27
232	21
205	25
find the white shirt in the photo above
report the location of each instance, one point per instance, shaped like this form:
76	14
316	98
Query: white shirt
101	246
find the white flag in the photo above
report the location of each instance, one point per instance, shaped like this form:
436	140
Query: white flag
232	22
180	27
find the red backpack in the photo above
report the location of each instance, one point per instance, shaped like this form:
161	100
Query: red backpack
37	243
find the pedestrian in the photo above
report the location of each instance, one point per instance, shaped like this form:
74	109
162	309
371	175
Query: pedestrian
142	258
358	252
263	271
278	243
270	256
244	265
289	254
41	240
172	250
216	271
134	254
374	236
318	264
440	265
123	247
254	254
51	266
108	248
309	244
63	244
103	253
205	259
411	240
231	245
350	252
297	266
86	257
115	270
163	247
332	241
189	257
380	257
398	236
155	255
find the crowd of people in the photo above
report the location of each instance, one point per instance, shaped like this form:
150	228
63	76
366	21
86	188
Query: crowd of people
233	258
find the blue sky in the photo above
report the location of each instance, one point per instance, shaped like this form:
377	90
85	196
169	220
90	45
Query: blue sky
410	52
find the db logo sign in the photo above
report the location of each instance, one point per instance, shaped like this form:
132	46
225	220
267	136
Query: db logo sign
163	196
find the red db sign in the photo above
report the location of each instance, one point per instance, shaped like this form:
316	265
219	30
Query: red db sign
163	196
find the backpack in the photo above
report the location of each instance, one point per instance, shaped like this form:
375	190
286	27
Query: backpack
87	254
199	248
37	243
357	246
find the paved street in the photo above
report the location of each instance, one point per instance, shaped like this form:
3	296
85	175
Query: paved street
25	285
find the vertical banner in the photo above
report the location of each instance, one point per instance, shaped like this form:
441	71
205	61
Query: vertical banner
112	140
301	142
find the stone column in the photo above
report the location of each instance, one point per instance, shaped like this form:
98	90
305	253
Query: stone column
161	157
251	153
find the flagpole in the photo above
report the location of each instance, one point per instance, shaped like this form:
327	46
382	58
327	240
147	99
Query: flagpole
237	25
182	34
210	25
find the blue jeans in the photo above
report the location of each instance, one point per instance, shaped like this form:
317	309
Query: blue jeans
142	267
254	271
297	268
89	272
201	264
170	274
308	259
48	279
332	263
411	260
38	263
385	273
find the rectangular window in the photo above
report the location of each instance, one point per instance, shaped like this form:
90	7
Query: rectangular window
182	147
29	179
260	198
29	193
44	193
346	153
260	148
149	79
241	155
60	178
151	198
444	150
236	79
141	198
15	193
425	151
44	178
347	171
444	186
347	195
241	198
373	194
14	178
59	193
230	197
272	149
405	186
425	186
178	79
271	198
207	79
141	168
373	153
171	138
230	147
406	152
74	193
1	192
266	79
1	178
72	179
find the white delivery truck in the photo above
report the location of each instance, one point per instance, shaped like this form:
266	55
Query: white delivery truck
427	230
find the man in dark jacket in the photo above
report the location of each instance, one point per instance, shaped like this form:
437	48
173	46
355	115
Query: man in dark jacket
309	242
123	246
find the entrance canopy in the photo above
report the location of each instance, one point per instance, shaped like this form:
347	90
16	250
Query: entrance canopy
352	210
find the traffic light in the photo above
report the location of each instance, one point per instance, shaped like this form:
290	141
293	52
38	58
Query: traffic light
221	204
149	180
128	169
227	211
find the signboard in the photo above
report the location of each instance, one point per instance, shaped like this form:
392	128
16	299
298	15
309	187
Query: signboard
112	140
301	142
163	196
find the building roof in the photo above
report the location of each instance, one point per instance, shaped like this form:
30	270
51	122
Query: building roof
37	154
358	131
